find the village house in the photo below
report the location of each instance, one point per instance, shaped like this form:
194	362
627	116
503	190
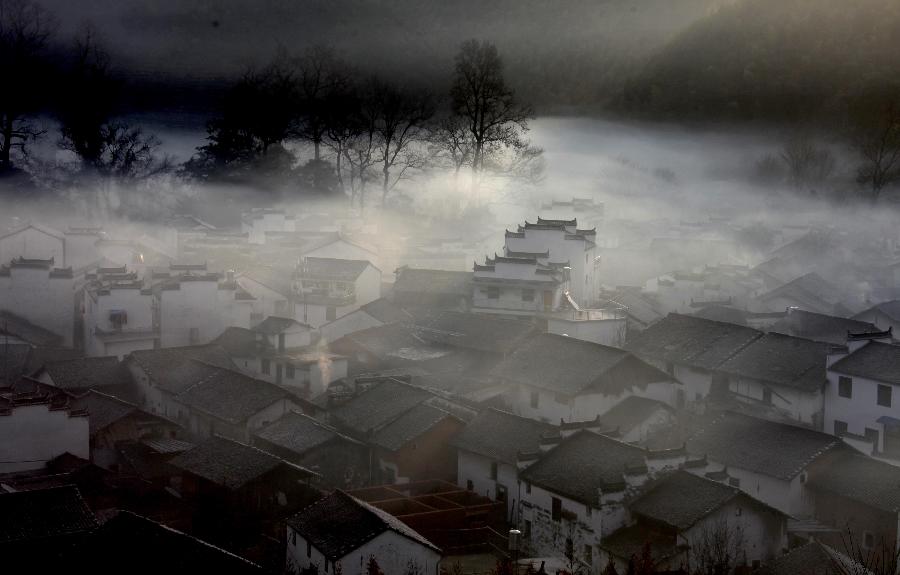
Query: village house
119	313
33	242
326	288
258	221
634	418
37	427
195	306
859	399
339	460
519	285
690	350
373	314
271	288
820	327
692	523
81	246
770	461
780	377
573	493
232	483
78	376
488	450
565	243
554	378
40	293
342	530
112	420
858	497
408	430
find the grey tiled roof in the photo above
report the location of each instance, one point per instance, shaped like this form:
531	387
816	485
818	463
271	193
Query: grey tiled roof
174	369
584	463
39	514
12	324
298	433
481	332
229	463
230	395
85	373
408	426
820	327
682	499
103	410
781	360
631	412
386	311
567	365
692	341
340	523
859	478
378	406
775	449
875	360
500	435
813	558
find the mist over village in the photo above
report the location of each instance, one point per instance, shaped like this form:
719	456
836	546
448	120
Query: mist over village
485	287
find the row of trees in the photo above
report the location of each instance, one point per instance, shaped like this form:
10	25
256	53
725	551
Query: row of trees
364	131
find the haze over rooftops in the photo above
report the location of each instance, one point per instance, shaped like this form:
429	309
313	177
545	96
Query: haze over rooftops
781	360
274	325
230	395
379	405
176	368
480	332
332	268
820	327
434	282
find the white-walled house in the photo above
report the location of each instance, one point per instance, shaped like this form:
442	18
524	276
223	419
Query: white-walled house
636	417
196	306
487	454
258	221
861	399
373	314
556	378
691	349
565	243
768	460
40	293
119	313
684	517
519	285
780	377
342	530
271	288
328	288
35	429
33	242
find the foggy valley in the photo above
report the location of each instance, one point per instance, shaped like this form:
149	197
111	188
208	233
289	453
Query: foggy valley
403	287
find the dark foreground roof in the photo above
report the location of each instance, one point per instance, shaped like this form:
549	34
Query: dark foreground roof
820	327
340	523
379	405
814	558
781	360
299	433
860	478
631	412
85	373
131	543
175	369
45	513
775	449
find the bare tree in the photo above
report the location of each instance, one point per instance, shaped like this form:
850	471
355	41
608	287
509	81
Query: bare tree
876	135
489	108
451	145
402	126
717	549
25	31
320	76
807	163
882	559
362	152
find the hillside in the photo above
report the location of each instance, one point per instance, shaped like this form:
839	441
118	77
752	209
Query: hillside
770	60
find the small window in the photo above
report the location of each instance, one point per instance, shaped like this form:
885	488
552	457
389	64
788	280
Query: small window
840	427
767	396
884	395
557	509
845	387
330	313
868	539
527	295
535	399
265	367
493	293
290	372
493	470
